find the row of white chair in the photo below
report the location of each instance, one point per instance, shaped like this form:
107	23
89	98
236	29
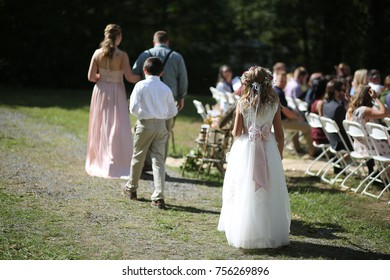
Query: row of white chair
223	98
373	135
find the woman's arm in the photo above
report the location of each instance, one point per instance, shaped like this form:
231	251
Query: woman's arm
373	113
129	75
278	130
238	122
93	75
320	107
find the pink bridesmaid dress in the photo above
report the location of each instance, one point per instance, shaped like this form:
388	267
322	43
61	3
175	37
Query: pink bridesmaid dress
110	146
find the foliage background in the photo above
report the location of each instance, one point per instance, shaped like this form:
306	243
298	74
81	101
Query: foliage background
49	43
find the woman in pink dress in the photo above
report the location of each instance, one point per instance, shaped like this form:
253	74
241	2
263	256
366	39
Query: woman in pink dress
109	148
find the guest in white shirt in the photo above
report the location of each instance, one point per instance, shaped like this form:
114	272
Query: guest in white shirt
152	102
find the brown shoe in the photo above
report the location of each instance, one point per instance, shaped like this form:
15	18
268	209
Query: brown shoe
129	194
160	204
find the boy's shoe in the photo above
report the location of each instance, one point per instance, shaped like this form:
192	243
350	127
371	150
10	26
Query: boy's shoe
160	204
129	194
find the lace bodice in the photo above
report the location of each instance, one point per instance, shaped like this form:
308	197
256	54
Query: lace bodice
111	76
264	116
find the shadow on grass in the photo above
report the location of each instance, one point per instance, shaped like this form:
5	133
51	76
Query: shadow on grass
304	184
317	230
307	250
188	209
148	176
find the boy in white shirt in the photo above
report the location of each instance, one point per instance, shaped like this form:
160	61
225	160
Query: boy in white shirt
152	102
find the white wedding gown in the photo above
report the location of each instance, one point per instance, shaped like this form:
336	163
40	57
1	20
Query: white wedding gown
255	217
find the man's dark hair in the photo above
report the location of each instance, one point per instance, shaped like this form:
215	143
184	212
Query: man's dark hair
154	66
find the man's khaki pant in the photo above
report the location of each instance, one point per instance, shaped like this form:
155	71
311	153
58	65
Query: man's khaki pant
305	128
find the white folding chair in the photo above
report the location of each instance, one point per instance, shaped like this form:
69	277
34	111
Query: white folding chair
314	121
200	109
387	121
291	103
331	127
220	97
356	132
301	105
380	140
297	104
230	98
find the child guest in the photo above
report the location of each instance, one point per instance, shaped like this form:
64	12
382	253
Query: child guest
152	102
256	208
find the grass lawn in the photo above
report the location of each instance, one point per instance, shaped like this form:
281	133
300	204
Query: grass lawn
50	209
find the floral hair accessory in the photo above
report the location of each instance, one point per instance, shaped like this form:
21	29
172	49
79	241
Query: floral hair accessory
244	79
268	79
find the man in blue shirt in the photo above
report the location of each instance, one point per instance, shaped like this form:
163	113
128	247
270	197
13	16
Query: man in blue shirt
175	74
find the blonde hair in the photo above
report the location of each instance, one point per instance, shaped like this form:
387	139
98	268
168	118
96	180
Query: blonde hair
359	78
361	97
108	44
263	77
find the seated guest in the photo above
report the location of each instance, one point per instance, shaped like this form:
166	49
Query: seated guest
278	66
309	95
359	78
343	70
361	109
294	86
225	77
335	109
318	89
374	80
291	120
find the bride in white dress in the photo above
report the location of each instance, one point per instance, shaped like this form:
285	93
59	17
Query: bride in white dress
255	204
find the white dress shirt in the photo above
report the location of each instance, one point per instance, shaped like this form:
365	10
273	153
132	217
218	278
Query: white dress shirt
152	99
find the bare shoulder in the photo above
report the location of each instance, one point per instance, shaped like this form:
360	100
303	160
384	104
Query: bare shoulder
97	53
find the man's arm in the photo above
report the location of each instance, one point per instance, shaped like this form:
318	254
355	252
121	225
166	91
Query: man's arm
182	83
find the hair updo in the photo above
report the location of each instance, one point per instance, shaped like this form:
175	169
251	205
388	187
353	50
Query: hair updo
110	34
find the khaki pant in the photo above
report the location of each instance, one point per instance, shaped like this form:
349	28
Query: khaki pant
150	135
169	126
298	125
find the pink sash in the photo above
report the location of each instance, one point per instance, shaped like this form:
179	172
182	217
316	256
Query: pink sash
260	165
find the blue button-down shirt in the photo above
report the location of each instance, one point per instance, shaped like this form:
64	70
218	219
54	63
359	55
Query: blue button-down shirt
175	72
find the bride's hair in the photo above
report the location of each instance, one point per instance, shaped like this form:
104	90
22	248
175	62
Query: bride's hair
108	44
261	78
